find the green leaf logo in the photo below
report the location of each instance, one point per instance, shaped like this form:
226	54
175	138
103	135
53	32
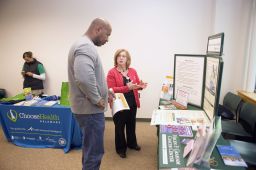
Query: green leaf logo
12	115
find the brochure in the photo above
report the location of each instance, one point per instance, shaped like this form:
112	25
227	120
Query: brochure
230	156
119	103
184	131
170	151
182	97
167	88
188	148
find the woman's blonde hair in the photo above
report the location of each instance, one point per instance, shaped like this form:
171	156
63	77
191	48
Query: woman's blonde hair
128	57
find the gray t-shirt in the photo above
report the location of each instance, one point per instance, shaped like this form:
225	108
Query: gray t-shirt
87	83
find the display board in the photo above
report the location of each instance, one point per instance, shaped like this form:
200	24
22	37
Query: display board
189	73
214	67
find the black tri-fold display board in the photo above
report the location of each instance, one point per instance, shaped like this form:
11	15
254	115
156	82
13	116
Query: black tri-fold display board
200	76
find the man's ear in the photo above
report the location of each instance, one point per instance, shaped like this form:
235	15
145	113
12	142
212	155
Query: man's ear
98	29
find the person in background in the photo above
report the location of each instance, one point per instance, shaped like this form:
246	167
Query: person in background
34	73
88	90
123	79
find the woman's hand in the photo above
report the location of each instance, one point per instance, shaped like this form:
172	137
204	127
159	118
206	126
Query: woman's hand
143	85
133	86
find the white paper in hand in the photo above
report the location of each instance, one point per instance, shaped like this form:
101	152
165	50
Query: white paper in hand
119	103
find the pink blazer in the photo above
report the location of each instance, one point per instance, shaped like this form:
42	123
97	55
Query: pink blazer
115	81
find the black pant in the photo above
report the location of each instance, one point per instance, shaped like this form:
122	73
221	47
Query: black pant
121	119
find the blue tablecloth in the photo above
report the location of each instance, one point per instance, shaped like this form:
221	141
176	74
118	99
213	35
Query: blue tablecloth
40	127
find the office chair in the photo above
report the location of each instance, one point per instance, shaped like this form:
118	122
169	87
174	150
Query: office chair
231	106
247	150
245	128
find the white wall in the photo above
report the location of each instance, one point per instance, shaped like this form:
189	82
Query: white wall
232	18
153	31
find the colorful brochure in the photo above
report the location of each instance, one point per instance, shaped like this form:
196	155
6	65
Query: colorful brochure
230	156
184	131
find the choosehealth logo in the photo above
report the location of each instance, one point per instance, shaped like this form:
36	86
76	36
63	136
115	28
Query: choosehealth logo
13	115
62	141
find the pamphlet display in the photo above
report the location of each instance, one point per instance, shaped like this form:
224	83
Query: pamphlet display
200	78
204	143
197	82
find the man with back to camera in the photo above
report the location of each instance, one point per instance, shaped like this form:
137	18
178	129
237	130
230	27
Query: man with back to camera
33	73
88	90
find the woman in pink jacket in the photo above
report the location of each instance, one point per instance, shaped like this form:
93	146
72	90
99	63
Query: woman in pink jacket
123	79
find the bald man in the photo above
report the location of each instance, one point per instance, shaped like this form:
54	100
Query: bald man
88	90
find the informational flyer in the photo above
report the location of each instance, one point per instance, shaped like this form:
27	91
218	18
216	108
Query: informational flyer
182	97
161	117
119	103
193	118
189	76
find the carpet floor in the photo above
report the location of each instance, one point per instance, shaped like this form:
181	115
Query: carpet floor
13	157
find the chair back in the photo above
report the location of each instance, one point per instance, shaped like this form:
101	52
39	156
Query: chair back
247	117
232	102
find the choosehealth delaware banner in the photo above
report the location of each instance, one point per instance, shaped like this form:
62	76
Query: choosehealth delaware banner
40	127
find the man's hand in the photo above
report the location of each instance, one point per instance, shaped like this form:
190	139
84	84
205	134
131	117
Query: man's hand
111	95
101	104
